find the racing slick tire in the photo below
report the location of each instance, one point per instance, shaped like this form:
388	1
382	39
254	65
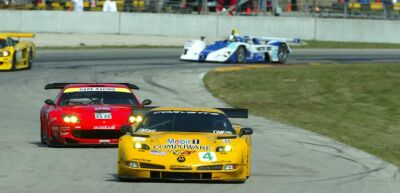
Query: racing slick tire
241	55
267	58
42	138
30	60
283	53
124	179
51	143
14	63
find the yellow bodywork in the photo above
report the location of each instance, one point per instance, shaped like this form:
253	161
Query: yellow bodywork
163	158
15	54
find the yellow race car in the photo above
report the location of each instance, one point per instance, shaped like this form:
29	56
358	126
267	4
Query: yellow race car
15	54
185	144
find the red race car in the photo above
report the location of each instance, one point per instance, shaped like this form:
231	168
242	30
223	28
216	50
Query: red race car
88	113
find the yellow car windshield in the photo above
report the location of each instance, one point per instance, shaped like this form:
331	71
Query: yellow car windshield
186	121
3	43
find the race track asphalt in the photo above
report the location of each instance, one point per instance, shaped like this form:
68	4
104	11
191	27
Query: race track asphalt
285	159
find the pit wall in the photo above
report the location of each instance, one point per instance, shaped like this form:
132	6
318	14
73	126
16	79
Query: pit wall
213	26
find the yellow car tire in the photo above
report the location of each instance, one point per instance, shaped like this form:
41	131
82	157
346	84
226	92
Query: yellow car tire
30	60
14	63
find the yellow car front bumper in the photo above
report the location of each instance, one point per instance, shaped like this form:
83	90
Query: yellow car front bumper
236	175
5	63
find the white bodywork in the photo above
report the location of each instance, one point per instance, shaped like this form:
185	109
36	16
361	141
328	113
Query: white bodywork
193	49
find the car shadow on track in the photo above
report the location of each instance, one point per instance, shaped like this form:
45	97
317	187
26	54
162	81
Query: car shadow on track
114	178
39	144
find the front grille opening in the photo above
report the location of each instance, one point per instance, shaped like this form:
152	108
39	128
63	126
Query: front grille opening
70	141
214	167
180	168
97	134
155	175
151	166
207	176
185	175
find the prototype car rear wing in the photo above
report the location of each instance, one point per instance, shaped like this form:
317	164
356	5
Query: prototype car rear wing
229	112
63	85
20	35
288	40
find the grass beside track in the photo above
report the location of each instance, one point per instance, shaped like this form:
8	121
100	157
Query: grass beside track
345	45
357	104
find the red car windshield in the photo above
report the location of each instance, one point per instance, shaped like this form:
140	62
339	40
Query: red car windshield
98	97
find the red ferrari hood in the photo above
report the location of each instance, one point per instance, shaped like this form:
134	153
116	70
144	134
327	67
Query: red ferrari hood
99	116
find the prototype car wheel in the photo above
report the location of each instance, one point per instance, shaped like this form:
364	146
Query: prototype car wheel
283	53
240	54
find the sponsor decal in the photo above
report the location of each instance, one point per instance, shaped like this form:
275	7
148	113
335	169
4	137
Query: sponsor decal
222	162
226	141
138	139
142	160
102	109
180	166
96	89
183	141
207	156
143	130
182	152
181	159
232	46
104	127
183	146
222	132
160	153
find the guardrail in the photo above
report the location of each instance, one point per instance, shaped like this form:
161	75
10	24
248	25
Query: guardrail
211	26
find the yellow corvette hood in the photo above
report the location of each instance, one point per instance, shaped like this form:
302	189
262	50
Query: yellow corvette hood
185	141
186	148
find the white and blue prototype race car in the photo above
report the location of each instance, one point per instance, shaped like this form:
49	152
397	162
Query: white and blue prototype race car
239	49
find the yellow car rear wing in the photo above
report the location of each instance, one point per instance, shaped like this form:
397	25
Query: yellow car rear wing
20	35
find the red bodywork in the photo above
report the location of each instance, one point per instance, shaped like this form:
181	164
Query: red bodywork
89	129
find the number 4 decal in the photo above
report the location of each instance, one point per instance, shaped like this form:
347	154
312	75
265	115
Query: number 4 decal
207	156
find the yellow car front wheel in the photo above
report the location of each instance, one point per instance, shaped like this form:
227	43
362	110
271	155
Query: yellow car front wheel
14	63
30	60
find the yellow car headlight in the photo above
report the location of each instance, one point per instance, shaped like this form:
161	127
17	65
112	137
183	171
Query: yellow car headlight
5	53
70	119
227	148
135	119
132	164
141	146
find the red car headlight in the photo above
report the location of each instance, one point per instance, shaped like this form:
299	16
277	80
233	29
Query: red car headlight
70	119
